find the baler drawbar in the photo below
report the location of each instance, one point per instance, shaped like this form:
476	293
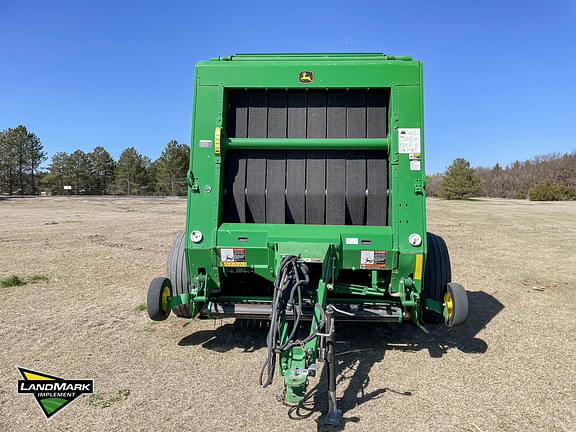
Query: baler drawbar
306	206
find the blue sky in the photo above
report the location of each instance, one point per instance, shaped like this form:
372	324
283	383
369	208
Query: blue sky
499	76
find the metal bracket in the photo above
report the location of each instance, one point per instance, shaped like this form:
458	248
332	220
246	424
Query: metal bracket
192	182
310	371
418	189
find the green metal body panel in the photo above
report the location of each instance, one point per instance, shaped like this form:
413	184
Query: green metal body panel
406	196
400	281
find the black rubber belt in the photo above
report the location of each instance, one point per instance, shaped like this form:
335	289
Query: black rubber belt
297	114
235	184
336	188
258	114
377	186
356	114
275	186
237	125
317	113
296	187
256	187
277	114
314	187
355	188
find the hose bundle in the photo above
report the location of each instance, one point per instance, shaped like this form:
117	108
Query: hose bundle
292	276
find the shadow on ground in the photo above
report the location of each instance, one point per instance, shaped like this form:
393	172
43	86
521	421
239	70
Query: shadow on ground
359	347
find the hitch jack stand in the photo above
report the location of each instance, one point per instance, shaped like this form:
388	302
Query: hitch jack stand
334	415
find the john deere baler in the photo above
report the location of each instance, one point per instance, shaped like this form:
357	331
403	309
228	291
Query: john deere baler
306	206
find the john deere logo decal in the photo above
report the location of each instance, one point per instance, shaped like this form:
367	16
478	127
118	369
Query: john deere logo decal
51	392
306	77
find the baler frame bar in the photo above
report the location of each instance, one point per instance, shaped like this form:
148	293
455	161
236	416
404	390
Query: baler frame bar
308	143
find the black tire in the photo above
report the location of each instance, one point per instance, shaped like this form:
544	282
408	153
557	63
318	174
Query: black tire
176	272
459	299
437	275
154	302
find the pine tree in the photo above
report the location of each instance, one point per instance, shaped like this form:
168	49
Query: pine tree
102	167
17	138
78	169
171	169
8	159
35	155
21	154
132	173
460	181
56	177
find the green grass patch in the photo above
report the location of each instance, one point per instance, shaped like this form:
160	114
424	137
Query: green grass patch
39	278
15	280
101	401
12	281
140	308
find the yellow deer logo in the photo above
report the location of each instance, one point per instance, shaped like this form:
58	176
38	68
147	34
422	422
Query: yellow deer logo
305	77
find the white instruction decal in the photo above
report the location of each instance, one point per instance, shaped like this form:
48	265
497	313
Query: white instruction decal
351	240
233	257
370	259
409	140
414	165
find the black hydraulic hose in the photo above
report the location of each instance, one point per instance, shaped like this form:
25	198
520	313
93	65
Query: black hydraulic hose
296	288
290	278
320	325
270	363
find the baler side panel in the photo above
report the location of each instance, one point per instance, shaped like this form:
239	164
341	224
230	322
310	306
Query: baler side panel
407	195
203	211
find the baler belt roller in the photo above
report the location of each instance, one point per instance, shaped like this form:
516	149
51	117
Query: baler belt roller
263	311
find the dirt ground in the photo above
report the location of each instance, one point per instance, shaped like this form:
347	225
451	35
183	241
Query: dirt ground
512	368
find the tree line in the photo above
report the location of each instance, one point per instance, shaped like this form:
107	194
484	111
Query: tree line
90	173
550	177
546	177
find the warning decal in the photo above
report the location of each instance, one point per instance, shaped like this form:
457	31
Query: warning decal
235	257
371	259
409	140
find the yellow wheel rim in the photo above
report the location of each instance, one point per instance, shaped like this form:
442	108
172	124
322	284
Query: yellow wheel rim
165	295
449	304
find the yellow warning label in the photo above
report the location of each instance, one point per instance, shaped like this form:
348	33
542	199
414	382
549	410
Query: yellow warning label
233	264
217	134
418	269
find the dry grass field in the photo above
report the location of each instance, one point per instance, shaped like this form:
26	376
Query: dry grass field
512	368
